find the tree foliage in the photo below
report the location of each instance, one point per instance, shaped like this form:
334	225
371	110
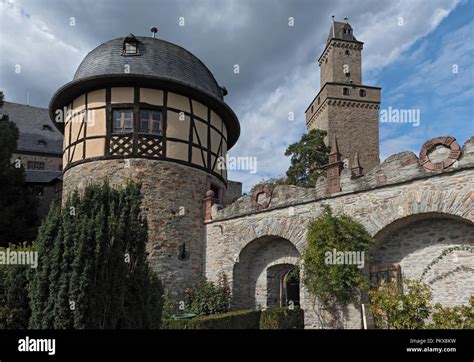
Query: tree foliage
457	317
92	270
307	158
15	309
333	283
18	217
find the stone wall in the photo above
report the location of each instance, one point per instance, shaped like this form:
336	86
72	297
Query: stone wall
397	189
173	203
418	241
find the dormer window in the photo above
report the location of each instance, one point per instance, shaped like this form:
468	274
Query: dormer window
42	143
131	45
47	127
131	48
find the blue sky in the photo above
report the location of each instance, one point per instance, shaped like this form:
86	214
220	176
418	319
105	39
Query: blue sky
413	63
422	78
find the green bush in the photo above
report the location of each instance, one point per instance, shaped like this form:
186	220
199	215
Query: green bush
282	318
457	317
208	297
15	309
242	319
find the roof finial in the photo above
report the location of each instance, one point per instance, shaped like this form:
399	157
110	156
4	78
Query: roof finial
346	19
154	30
333	31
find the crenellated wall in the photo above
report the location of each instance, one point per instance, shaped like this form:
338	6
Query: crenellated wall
414	214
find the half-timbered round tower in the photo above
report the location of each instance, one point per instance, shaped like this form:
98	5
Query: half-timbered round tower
145	109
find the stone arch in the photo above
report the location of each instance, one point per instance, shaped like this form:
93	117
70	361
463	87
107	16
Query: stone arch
249	284
411	243
293	229
427	201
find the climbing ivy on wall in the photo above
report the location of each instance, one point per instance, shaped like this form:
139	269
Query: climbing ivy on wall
333	282
443	255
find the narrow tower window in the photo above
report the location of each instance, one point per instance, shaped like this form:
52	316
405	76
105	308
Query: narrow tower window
345	91
362	93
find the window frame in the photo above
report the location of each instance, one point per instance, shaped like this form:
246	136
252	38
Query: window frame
113	128
151	121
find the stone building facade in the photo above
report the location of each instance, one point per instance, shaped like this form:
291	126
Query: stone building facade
164	123
39	151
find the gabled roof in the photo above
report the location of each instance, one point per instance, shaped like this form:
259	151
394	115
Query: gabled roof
34	126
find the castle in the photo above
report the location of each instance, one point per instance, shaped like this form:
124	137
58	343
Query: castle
145	109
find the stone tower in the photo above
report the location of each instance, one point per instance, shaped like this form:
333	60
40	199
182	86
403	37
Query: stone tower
344	106
145	109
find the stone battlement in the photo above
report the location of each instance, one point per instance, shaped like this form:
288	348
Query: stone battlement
399	168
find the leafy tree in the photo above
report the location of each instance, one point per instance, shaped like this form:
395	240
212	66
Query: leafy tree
308	155
92	270
334	283
405	307
18	215
307	158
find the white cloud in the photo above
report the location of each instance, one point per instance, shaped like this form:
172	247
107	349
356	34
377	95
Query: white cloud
265	130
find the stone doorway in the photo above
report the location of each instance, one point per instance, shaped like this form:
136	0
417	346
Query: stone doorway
283	287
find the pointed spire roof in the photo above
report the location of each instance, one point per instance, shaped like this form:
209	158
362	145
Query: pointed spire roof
341	30
334	145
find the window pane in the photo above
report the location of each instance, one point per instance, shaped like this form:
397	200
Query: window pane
144	125
123	121
156	126
128	120
130	48
156	115
117	121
